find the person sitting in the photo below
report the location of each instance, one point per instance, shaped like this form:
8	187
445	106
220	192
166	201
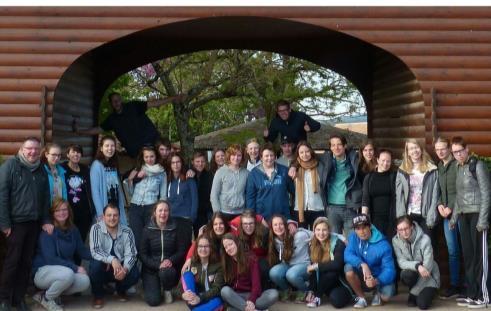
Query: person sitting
54	268
114	251
200	285
415	258
326	269
369	264
163	247
241	271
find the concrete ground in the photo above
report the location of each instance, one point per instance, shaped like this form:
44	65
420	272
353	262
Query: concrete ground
137	303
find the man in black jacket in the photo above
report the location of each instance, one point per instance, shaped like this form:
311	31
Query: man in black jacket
24	206
291	124
204	180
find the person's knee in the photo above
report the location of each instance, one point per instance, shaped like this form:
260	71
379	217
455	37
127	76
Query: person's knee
409	277
168	275
226	291
276	273
423	304
65	275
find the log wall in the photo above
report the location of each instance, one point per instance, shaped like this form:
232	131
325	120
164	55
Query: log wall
446	49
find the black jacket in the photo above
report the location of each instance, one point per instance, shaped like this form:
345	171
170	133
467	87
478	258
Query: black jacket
170	243
292	128
24	195
204	181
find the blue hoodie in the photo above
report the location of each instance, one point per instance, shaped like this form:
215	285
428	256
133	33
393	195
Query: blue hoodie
182	196
269	196
376	252
61	173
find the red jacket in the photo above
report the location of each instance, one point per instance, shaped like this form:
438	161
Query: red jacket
249	281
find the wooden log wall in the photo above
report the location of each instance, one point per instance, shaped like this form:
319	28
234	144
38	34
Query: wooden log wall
447	49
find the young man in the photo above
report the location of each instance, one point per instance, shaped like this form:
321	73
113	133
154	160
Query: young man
24	206
341	183
114	251
287	154
204	180
369	264
293	124
471	211
447	174
125	118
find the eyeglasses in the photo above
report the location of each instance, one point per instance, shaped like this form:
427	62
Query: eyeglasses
460	151
403	229
56	155
203	246
248	224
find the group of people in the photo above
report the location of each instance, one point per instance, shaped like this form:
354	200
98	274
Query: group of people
251	230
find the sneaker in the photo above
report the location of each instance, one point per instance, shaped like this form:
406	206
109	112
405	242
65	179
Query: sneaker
98	303
50	305
463	302
451	292
131	290
314	303
477	304
284	295
37	297
168	296
299	297
376	301
360	303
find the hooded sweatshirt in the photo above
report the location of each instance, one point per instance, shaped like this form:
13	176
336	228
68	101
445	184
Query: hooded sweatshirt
228	190
417	250
376	252
301	243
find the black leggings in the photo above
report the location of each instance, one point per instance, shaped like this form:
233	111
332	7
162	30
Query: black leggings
329	284
425	297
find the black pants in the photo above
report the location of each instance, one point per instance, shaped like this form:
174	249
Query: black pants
473	252
328	283
21	244
154	281
264	269
139	216
309	218
425	297
101	273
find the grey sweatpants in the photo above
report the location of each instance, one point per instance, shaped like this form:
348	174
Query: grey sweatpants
237	301
57	280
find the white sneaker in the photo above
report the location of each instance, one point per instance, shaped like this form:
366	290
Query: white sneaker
376	301
476	304
50	305
37	297
360	303
463	302
168	297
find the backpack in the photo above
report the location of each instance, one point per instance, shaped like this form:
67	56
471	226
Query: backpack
472	166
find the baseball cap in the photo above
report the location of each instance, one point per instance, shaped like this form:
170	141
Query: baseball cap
361	219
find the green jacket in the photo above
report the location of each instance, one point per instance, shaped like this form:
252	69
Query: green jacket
447	176
215	280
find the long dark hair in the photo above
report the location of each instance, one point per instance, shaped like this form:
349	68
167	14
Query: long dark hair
273	257
228	263
363	165
139	160
256	239
113	161
213	252
209	226
182	173
213	165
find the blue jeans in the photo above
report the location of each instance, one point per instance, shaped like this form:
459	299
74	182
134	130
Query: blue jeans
189	283
284	275
452	238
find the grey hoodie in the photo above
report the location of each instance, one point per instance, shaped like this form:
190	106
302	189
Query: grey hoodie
301	242
228	190
417	250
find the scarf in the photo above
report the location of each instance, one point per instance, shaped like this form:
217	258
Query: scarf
31	166
152	170
299	184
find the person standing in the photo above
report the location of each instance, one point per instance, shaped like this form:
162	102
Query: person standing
471	211
253	158
447	175
104	179
368	162
292	124
56	173
113	250
287	152
78	190
204	180
24	206
419	271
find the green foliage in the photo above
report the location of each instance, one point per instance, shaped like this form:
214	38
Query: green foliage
238	138
1	160
486	160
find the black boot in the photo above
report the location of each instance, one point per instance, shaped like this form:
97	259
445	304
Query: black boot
411	301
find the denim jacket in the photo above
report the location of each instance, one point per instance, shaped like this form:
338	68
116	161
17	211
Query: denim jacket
149	190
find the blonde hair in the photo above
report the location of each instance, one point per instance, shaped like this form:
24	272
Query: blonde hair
320	252
407	165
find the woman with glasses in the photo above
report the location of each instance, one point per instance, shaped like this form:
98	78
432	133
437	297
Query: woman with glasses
56	173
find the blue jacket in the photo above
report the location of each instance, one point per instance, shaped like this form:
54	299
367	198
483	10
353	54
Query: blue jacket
269	196
61	172
376	253
59	249
183	198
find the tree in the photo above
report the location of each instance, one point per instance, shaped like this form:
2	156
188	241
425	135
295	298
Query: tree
222	88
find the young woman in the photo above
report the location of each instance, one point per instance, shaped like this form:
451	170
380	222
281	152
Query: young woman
182	193
217	160
252	154
163	247
78	190
288	257
268	186
215	229
228	189
367	159
54	268
378	198
309	196
417	186
145	191
104	179
326	270
56	173
242	276
415	258
200	286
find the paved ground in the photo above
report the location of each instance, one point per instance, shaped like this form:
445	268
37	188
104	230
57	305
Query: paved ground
136	303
